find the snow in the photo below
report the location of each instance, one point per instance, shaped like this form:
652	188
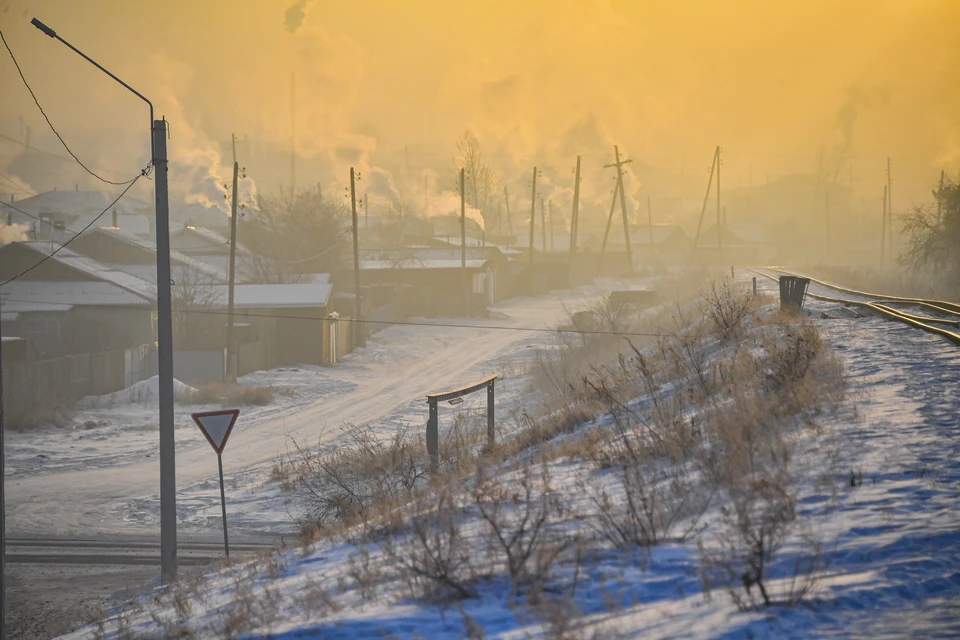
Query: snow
21	296
94	269
145	392
893	542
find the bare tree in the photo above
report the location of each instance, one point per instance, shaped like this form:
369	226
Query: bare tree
193	295
295	234
933	235
482	191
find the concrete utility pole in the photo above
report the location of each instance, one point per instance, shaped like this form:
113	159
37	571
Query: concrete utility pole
230	372
3	520
168	480
623	204
576	211
463	245
356	331
533	214
168	466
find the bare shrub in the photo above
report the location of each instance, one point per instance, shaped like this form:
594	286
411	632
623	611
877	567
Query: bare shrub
517	520
436	556
364	573
727	307
229	394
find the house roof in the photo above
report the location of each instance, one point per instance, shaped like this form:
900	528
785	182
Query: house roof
94	269
81	204
175	256
23	296
413	262
275	296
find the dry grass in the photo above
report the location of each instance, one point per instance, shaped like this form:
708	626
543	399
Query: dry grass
230	394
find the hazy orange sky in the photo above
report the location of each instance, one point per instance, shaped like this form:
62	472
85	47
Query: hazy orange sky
538	81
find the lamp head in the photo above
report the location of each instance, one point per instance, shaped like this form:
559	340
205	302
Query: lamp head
47	30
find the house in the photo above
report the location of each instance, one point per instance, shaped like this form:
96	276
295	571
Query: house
138	257
737	244
432	279
73	210
208	246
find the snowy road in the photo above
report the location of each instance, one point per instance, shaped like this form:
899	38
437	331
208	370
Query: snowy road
381	386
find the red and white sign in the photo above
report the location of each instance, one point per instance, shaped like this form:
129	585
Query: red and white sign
216	426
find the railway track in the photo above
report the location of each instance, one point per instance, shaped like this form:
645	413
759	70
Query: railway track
934	316
139	551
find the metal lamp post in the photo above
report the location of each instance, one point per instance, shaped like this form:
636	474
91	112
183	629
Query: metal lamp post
168	484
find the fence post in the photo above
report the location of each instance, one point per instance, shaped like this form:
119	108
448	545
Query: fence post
491	434
754	285
433	436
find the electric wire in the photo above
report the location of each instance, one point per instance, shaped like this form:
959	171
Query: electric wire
16	186
445	325
76	235
52	128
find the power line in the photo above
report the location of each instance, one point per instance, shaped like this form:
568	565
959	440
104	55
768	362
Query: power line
52	128
13	184
408	323
76	235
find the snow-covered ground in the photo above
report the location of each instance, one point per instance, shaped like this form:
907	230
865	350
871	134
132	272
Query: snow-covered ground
98	473
892	541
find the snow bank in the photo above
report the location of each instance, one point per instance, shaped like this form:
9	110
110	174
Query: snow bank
144	392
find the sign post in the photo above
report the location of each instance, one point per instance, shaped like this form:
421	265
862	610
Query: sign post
216	426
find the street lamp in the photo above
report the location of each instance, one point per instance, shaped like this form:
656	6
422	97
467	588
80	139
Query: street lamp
168	482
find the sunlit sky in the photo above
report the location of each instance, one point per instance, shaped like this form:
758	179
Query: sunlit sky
776	84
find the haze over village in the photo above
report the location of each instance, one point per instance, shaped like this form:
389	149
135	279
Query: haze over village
442	319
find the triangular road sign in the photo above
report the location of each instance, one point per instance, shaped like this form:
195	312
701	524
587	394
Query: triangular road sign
216	426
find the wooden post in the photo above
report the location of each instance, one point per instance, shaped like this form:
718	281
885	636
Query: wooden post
433	436
576	211
491	433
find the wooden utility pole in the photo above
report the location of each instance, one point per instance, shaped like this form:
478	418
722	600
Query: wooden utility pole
719	221
463	245
230	368
293	134
650	222
366	211
356	333
543	228
706	197
889	207
623	204
506	200
3	520
576	211
606	233
883	227
550	211
533	214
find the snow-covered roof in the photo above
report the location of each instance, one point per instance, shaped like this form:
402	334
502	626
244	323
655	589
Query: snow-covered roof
82	205
410	263
146	245
22	296
275	296
94	269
